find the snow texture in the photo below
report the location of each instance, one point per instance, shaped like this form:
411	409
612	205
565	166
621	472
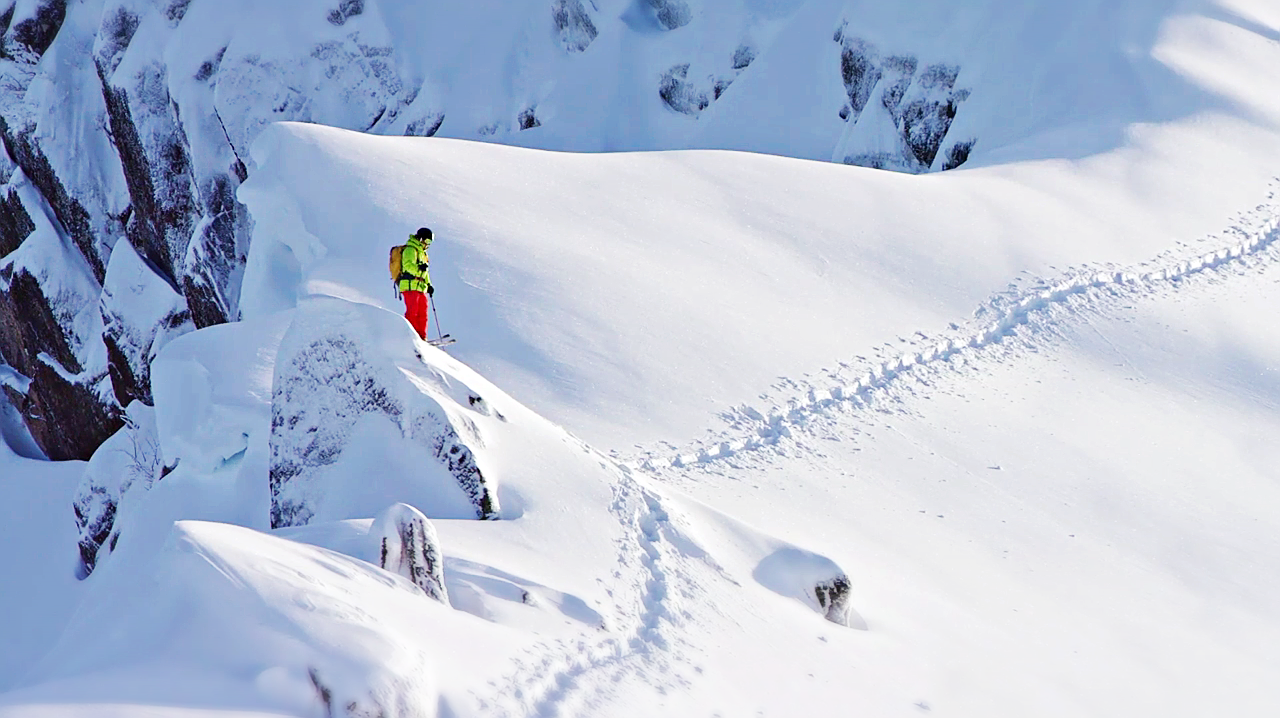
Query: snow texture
1056	505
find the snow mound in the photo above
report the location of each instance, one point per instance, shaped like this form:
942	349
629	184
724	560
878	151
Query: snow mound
234	617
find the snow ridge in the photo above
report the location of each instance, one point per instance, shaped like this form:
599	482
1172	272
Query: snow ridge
750	429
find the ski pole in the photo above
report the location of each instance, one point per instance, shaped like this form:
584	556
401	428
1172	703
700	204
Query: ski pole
432	302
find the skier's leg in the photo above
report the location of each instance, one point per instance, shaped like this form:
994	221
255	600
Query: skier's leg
420	314
415	311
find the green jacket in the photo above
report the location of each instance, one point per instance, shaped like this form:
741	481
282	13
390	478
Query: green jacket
413	266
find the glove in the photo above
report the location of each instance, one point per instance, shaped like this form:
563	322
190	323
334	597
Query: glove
431	290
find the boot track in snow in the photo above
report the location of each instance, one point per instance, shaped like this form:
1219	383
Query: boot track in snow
1255	235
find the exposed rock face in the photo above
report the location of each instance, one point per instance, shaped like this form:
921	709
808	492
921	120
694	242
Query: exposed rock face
671	14
408	546
46	322
573	24
148	158
15	223
33	343
690	96
680	93
899	114
35	30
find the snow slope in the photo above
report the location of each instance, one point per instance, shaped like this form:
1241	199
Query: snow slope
1077	520
1070	515
631	296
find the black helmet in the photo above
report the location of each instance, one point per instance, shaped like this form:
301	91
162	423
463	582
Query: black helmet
423	233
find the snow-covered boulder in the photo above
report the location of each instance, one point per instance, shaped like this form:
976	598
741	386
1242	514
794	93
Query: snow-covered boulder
122	469
810	578
408	546
353	399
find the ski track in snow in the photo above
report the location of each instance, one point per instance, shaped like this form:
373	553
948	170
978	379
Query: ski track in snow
1252	239
571	676
567	676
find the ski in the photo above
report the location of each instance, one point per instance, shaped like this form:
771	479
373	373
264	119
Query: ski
443	341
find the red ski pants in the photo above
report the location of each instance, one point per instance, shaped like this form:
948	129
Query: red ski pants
415	310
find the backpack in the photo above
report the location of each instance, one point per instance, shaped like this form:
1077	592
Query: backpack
396	265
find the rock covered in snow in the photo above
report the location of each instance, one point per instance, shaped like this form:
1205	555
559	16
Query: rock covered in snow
122	469
140	314
898	113
574	24
408	546
813	579
338	385
835	598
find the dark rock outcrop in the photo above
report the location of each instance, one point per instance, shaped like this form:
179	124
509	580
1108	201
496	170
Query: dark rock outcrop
15	223
63	409
958	154
573	25
32	33
680	94
671	14
346	10
835	597
156	164
25	151
528	119
408	546
919	105
689	96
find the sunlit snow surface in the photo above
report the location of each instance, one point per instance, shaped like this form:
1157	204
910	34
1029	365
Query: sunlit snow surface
1074	515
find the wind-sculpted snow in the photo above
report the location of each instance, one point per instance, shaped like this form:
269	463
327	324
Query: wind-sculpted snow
334	388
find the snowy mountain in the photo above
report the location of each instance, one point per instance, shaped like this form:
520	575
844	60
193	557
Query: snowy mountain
765	431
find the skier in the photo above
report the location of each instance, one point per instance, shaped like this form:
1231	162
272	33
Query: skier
413	279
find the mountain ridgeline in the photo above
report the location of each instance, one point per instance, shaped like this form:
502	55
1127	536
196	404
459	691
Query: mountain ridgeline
131	122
